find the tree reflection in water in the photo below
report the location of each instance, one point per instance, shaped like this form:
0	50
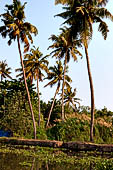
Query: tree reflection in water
9	161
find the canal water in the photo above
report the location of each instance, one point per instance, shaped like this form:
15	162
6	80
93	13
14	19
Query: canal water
12	161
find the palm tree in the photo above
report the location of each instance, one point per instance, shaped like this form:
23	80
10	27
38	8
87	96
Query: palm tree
35	63
29	75
4	70
55	75
65	2
64	47
15	27
69	97
80	15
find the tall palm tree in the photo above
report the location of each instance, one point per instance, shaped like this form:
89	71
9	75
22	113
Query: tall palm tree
15	27
69	97
64	47
55	75
80	15
4	70
35	63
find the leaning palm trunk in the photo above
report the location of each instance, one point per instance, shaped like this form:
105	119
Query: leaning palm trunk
74	107
29	100
38	101
57	90
92	95
63	84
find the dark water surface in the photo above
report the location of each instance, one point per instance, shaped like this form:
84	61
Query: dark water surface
12	161
9	161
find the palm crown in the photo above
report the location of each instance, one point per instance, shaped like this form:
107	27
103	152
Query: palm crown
69	97
4	70
14	24
55	75
34	63
80	15
64	44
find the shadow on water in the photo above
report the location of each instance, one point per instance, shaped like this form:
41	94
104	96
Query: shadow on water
11	161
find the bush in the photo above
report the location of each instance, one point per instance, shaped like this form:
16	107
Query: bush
75	129
71	130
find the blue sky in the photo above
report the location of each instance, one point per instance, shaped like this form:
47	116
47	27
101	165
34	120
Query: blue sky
41	14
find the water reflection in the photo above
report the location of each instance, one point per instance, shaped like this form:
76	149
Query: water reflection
33	164
13	161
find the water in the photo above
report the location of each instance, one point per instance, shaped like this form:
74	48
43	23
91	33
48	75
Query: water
12	161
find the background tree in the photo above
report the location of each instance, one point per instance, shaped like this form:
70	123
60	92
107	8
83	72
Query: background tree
69	98
16	117
55	75
64	47
35	63
4	70
16	28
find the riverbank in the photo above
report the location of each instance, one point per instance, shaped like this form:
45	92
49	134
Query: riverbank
75	146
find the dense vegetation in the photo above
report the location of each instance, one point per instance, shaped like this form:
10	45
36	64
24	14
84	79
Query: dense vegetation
15	117
20	104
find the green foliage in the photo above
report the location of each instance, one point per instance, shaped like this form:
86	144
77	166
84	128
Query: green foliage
84	109
103	112
41	132
15	113
56	112
76	129
106	164
71	130
104	133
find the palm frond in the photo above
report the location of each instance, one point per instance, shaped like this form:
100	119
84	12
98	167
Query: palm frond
103	28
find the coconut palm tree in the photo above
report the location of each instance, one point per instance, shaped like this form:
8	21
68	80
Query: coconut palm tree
69	97
63	2
66	2
55	75
29	75
64	47
35	63
4	70
15	27
5	73
80	15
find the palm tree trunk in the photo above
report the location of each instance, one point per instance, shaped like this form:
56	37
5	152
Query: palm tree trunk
38	101
74	107
63	84
92	95
4	104
29	100
57	90
1	78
